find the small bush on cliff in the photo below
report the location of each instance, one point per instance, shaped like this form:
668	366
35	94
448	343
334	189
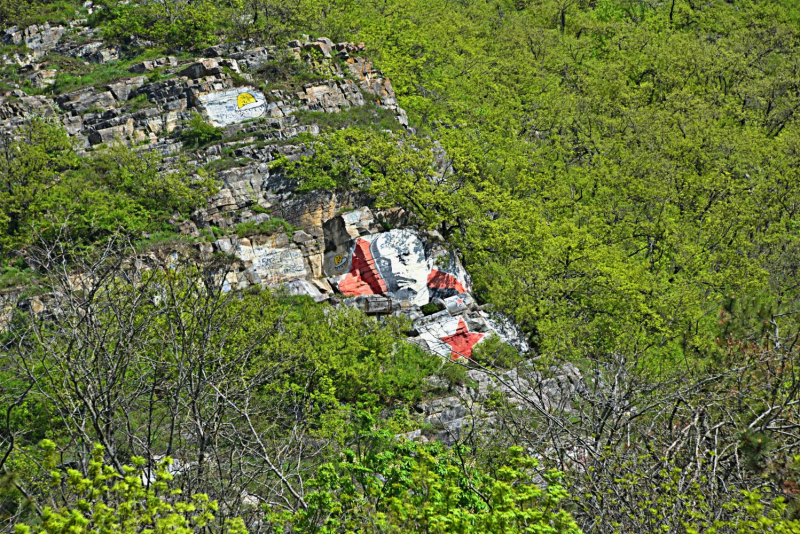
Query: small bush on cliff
46	188
267	227
494	352
198	133
454	373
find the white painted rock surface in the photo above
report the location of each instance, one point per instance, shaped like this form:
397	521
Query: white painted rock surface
392	263
233	105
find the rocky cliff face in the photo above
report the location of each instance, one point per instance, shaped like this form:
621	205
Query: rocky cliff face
340	248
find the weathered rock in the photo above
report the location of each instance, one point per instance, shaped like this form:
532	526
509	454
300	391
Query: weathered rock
39	39
268	260
201	69
153	64
373	304
247	57
17	107
122	90
82	101
304	288
118	133
301	237
104	55
324	46
331	96
43	78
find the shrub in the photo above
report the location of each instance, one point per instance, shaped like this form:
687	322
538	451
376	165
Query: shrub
494	352
267	227
108	501
385	486
454	373
199	133
429	308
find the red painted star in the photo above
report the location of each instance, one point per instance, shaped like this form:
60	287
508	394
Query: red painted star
462	341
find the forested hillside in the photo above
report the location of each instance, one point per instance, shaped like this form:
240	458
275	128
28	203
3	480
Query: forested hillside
400	266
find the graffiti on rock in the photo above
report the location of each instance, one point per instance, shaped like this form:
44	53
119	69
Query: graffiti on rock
233	106
447	277
392	263
462	341
448	335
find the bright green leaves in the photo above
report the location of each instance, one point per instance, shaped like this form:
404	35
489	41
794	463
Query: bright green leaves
31	163
397	169
386	486
198	133
45	188
177	24
106	501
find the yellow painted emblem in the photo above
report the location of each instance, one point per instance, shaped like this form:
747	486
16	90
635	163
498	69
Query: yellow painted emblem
338	259
245	99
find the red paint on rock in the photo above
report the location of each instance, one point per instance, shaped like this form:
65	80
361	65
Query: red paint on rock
442	280
363	278
462	341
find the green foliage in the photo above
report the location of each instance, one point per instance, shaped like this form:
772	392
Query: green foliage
753	515
397	168
288	73
358	357
454	373
74	74
409	487
429	309
613	172
30	166
672	500
22	14
368	116
272	21
16	276
237	79
494	352
270	226
620	176
106	501
47	189
180	25
197	133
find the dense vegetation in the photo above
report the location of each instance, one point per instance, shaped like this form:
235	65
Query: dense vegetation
621	178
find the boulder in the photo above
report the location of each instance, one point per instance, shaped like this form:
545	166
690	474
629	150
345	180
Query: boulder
80	102
201	69
43	78
38	39
152	64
